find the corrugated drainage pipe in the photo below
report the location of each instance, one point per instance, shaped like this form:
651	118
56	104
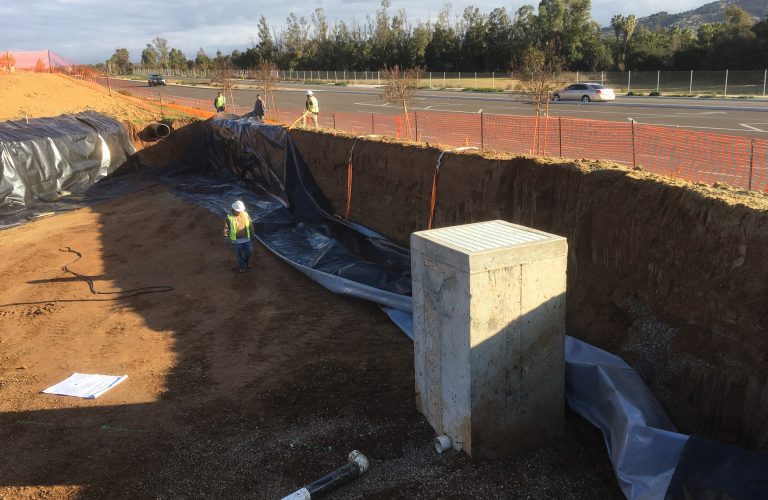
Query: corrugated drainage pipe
355	467
158	130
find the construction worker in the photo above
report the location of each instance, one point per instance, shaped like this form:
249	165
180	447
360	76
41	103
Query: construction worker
237	231
313	108
219	103
258	108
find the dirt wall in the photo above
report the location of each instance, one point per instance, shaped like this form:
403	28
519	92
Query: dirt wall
669	275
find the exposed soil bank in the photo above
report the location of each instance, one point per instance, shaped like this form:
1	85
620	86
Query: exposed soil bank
669	275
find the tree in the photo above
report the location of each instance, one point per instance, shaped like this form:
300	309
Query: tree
295	41
177	59
630	24
473	42
149	57
224	76
7	62
202	60
443	51
539	71
623	29
161	49
266	47
266	80
120	62
498	40
399	88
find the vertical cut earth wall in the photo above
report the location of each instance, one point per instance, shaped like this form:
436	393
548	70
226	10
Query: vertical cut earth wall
668	275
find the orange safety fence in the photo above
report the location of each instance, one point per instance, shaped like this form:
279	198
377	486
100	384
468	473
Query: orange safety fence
40	61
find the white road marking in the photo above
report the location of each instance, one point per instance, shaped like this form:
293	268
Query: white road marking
412	108
698	113
753	128
694	126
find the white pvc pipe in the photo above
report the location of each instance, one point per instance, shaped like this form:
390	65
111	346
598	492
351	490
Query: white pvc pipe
442	443
302	494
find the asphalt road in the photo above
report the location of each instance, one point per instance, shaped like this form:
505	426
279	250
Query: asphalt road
743	117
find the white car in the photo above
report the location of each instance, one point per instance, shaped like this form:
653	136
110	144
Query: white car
584	92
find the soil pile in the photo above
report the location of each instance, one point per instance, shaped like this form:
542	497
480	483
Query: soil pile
36	95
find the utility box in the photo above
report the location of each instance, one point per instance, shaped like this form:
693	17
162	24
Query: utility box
489	326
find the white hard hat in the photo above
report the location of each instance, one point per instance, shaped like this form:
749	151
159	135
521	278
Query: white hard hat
309	92
238	206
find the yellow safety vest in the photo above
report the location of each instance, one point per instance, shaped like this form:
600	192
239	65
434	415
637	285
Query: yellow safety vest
312	105
220	101
233	226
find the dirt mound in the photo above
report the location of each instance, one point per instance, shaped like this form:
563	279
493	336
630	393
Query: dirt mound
35	95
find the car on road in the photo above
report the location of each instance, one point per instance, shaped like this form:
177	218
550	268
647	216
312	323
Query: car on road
155	79
584	92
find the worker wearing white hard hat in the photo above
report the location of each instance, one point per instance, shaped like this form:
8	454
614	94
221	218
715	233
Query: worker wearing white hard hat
237	231
313	108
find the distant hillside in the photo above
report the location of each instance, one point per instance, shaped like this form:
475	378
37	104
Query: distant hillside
709	13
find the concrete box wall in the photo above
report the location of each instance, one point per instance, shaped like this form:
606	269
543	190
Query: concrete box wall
489	326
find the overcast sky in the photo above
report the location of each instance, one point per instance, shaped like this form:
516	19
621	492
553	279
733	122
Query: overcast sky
90	30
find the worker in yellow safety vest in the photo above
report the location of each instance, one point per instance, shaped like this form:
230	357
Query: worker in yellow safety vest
219	103
237	232
313	108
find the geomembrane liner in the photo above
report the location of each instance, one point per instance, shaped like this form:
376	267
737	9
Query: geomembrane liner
47	163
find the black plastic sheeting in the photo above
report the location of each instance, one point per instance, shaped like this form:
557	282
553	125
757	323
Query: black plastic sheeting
44	160
711	470
260	165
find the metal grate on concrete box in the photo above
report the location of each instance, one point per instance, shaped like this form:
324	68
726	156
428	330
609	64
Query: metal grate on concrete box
484	236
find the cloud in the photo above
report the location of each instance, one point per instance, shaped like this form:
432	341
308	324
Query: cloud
90	30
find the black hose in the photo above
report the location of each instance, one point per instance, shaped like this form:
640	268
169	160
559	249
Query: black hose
133	292
331	481
356	466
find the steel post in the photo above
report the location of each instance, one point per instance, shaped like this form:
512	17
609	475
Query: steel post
482	132
634	145
751	163
690	85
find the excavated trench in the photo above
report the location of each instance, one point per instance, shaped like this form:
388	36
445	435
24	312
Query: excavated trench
669	275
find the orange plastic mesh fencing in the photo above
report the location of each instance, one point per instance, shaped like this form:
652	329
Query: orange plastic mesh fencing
452	129
758	167
694	156
355	123
508	133
595	140
40	61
